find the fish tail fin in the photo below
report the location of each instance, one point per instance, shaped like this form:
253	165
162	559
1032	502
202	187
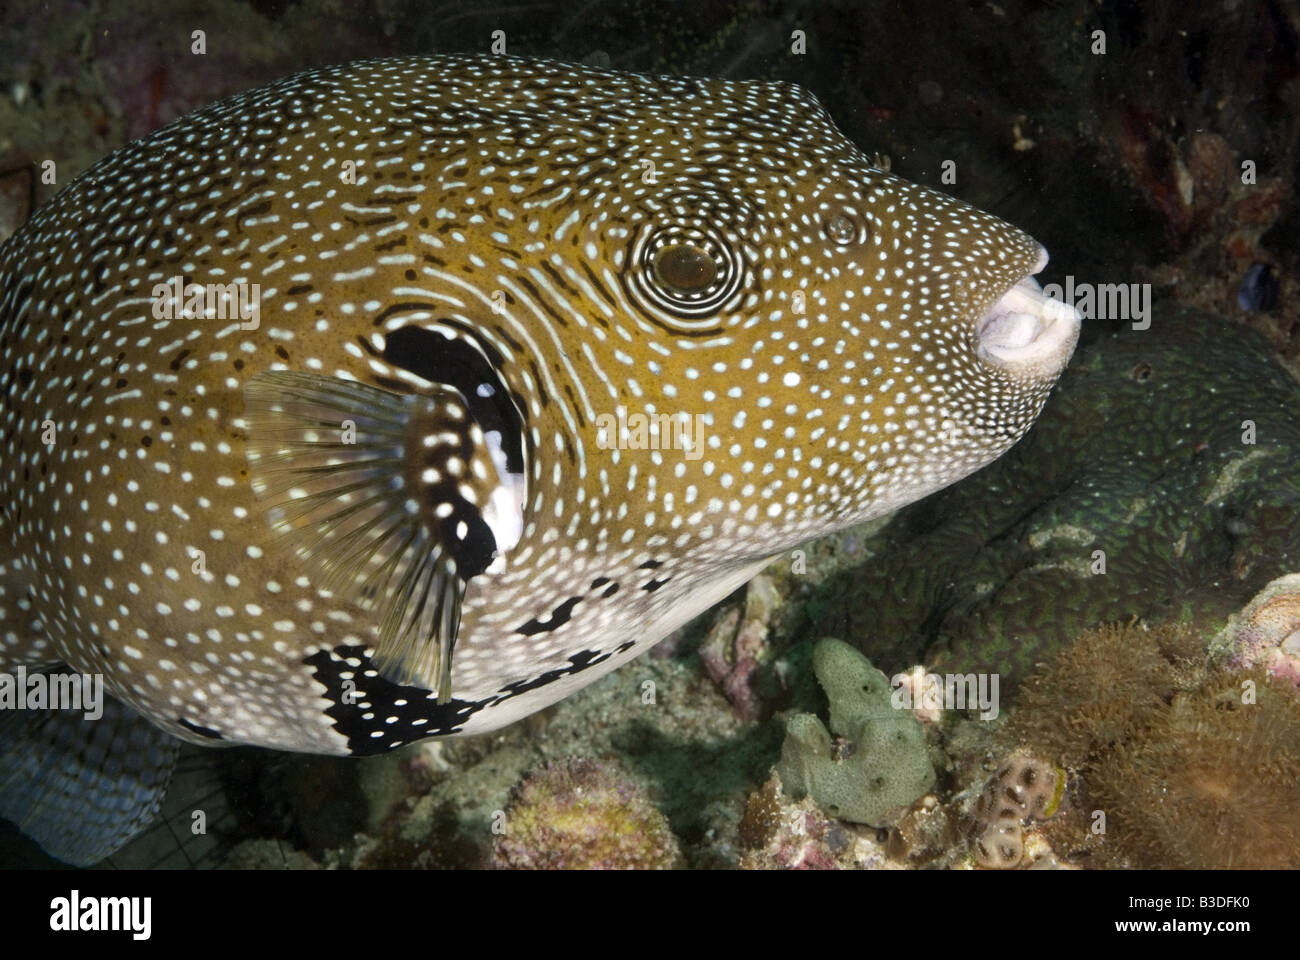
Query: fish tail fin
198	823
82	788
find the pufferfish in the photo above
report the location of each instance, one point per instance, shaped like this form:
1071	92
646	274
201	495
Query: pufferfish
308	401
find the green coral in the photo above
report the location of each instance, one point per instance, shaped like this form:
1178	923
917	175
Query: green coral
881	767
1140	453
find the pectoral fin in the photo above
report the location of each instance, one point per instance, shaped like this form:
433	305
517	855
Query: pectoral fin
383	497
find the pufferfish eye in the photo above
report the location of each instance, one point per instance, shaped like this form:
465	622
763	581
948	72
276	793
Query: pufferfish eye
845	228
685	274
685	267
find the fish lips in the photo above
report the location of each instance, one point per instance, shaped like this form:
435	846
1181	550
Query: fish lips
1027	334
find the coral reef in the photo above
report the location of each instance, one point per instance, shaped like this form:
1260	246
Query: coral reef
1206	142
1025	788
1212	781
1214	219
779	833
1099	689
1266	632
1087	519
585	815
736	644
880	764
1173	762
676	737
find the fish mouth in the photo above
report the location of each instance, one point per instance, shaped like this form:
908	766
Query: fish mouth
1026	332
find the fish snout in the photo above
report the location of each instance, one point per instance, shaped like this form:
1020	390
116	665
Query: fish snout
1027	334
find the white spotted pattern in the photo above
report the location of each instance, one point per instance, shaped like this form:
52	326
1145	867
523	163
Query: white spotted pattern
832	362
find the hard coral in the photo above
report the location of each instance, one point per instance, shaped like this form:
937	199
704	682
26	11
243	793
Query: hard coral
1024	788
1267	631
580	814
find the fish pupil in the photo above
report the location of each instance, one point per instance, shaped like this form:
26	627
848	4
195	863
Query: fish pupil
841	229
685	267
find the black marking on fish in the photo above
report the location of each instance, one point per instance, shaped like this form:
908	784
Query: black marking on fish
559	616
611	587
579	662
362	702
454	362
473	552
206	732
364	721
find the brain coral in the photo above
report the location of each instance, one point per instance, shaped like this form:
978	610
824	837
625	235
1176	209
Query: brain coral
1141	453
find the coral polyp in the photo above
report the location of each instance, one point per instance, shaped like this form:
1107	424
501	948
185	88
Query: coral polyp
1024	788
1213	781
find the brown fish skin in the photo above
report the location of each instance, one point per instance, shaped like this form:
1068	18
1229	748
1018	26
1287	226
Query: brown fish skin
135	544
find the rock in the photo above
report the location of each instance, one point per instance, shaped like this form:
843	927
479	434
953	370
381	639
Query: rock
1267	631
